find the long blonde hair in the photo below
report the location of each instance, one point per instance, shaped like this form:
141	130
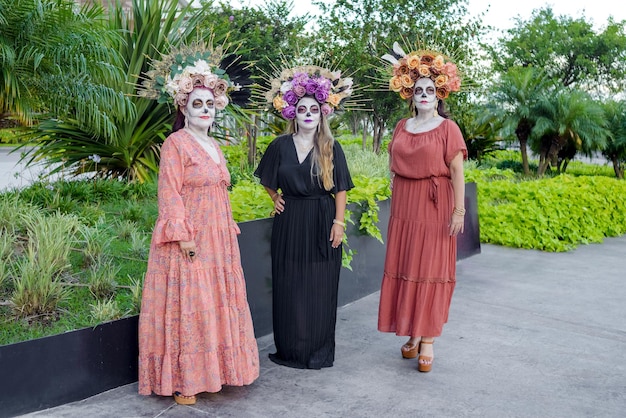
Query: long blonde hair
322	160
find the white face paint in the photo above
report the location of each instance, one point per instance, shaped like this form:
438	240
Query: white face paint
424	94
308	113
200	109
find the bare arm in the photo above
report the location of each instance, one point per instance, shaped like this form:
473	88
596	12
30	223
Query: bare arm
336	232
277	198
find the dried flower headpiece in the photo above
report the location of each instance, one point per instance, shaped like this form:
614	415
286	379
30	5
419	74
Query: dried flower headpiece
197	65
408	68
325	86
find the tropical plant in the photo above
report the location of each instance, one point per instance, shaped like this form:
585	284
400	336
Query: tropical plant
615	150
131	150
567	122
511	106
52	56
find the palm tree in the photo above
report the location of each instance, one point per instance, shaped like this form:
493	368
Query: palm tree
615	149
567	119
512	104
49	54
131	150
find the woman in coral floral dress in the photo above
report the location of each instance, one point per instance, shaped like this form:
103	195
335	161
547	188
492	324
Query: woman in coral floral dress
195	327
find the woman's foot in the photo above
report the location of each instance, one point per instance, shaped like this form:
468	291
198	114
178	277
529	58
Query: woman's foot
183	399
411	348
426	357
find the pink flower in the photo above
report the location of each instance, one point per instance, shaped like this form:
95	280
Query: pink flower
326	109
221	102
185	85
299	90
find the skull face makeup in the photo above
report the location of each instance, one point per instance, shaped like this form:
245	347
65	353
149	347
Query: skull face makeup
308	113
424	96
200	109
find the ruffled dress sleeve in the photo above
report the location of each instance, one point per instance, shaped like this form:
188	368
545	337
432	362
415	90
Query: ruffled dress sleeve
341	174
267	170
454	142
172	223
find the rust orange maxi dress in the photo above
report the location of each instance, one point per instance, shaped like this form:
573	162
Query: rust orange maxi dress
195	327
420	263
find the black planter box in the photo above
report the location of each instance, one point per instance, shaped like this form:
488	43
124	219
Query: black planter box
59	369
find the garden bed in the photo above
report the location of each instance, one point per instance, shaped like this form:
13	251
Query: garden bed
50	371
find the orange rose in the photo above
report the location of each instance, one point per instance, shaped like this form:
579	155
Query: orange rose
441	80
333	100
406	93
404	69
395	84
442	93
278	103
406	81
438	63
424	70
415	74
412	61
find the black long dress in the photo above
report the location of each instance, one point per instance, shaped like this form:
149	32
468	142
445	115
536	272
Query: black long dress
305	267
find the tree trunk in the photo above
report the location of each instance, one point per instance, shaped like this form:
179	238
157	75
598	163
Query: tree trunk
251	132
523	132
617	168
364	138
378	133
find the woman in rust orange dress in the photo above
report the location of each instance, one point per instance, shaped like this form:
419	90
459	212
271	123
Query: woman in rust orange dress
195	327
427	205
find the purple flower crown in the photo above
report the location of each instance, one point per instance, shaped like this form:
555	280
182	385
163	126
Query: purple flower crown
325	86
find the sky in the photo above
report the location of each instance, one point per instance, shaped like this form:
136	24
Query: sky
502	12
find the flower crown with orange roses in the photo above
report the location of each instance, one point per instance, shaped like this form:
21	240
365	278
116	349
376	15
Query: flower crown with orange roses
197	65
408	68
289	85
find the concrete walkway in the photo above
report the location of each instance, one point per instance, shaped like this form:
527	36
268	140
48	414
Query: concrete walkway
530	334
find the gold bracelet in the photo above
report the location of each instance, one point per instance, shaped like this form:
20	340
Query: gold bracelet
459	211
335	221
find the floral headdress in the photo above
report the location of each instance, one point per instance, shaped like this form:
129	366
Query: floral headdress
325	86
408	68
197	65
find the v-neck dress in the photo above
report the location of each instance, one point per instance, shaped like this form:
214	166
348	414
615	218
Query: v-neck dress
195	327
420	264
305	267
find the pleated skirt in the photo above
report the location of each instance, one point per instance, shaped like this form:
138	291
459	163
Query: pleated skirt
305	280
420	262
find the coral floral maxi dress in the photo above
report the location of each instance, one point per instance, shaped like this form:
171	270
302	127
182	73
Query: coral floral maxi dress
420	264
195	327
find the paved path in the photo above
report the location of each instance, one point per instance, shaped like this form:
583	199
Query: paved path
14	174
530	334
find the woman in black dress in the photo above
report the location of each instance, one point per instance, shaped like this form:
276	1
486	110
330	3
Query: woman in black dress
306	175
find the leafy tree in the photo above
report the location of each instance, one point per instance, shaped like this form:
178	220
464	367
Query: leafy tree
567	121
359	32
51	58
567	49
131	150
267	35
615	150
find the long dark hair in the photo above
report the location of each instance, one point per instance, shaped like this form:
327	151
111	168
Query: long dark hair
179	122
